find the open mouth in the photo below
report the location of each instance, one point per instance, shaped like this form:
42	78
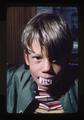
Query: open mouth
44	82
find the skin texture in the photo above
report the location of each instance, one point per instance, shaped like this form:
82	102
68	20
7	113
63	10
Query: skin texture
39	64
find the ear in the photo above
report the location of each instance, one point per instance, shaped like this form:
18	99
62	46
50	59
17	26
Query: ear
26	58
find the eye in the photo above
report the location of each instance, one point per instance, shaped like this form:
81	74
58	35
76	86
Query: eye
54	61
37	58
58	62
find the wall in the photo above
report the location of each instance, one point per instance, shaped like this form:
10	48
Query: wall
17	17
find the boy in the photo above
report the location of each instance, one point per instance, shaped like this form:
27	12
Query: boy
44	83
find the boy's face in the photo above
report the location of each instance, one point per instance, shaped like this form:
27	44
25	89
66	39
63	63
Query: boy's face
39	64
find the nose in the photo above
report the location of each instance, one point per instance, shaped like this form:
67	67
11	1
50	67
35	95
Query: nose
46	66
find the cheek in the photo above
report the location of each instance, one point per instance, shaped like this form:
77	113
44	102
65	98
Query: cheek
57	69
35	70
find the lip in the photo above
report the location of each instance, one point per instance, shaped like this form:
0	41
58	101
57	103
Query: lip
47	77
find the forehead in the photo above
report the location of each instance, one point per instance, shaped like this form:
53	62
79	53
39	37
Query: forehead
37	48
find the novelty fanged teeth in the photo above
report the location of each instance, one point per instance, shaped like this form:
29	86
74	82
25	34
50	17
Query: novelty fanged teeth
44	81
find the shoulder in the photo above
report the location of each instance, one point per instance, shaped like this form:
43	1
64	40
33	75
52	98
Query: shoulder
16	69
74	90
17	77
71	98
16	73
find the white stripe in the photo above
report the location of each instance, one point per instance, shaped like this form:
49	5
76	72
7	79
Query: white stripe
43	96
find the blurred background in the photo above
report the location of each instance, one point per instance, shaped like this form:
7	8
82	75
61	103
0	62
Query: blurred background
12	22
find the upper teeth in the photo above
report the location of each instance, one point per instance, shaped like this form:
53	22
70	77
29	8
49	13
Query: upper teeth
44	81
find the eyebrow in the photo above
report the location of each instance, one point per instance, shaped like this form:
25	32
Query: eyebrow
33	52
36	54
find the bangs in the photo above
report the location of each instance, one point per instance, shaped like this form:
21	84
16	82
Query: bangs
55	42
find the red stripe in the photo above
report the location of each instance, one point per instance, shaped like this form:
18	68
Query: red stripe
51	105
50	108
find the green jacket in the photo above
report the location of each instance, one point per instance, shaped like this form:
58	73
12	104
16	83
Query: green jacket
21	91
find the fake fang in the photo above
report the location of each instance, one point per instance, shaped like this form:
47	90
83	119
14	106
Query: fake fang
45	82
